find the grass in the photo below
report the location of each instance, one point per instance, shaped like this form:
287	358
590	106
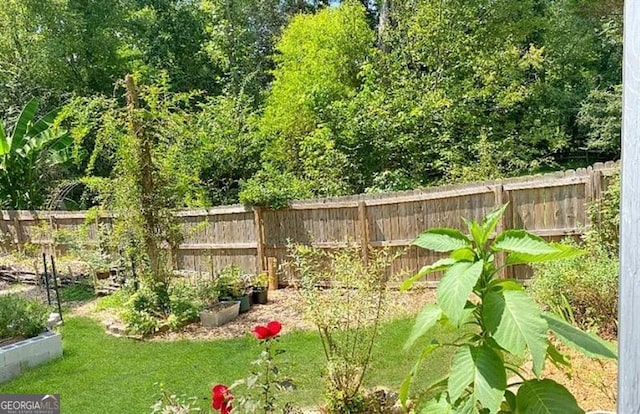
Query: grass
103	374
76	293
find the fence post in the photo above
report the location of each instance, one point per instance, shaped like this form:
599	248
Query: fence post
259	230
19	234
363	219
272	265
53	246
501	197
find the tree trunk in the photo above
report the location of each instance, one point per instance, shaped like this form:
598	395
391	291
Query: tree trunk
384	22
144	181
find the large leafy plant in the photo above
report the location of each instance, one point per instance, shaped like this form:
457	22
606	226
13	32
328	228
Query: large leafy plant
28	155
498	324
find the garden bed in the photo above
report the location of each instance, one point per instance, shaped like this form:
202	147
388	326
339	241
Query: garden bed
17	356
283	305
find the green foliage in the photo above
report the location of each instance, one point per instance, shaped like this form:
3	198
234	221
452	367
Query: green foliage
604	216
229	283
274	189
21	317
497	322
584	290
74	293
319	57
293	98
148	309
347	317
601	115
29	156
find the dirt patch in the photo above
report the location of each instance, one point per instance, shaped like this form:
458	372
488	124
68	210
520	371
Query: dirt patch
284	306
593	382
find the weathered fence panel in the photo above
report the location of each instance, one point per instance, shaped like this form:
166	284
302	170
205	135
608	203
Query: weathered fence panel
551	205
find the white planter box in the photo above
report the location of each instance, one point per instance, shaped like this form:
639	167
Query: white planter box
18	356
217	317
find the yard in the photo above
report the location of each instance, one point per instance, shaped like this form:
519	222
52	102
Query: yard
122	375
115	375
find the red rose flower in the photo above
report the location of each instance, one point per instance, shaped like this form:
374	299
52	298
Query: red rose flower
267	332
221	399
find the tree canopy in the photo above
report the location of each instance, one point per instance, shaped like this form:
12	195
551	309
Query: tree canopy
263	101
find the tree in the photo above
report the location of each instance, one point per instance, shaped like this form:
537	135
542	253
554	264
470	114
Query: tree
318	63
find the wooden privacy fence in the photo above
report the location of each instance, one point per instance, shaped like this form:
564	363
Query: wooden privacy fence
551	205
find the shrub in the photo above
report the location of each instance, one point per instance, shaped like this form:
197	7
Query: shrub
184	303
582	290
21	317
150	308
274	189
346	316
140	321
604	216
229	283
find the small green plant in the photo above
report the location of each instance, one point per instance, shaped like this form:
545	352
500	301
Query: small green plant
347	316
261	280
498	323
21	317
147	310
169	403
230	283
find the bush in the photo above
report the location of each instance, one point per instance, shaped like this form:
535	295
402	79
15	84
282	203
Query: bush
583	290
347	316
21	317
274	189
150	308
604	216
229	283
185	304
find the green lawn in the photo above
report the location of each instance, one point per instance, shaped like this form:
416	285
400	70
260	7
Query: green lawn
103	374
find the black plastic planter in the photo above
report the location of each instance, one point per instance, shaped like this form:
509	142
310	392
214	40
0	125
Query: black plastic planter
260	296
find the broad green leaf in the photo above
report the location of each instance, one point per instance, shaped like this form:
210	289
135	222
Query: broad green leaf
516	324
44	123
455	287
510	401
437	406
441	264
426	319
545	397
25	118
403	393
483	369
562	251
521	241
469	407
465	254
506	284
492	219
4	144
476	232
442	240
555	356
587	343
